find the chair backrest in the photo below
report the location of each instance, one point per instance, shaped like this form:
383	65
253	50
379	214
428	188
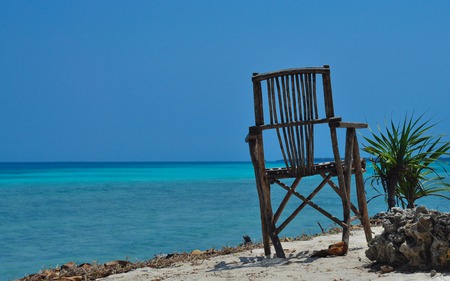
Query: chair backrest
287	101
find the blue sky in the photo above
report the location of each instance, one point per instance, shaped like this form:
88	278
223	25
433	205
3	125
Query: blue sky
171	80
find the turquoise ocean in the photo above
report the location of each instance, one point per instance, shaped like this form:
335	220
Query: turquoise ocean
53	213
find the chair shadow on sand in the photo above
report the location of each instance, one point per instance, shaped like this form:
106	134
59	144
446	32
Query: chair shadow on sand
303	257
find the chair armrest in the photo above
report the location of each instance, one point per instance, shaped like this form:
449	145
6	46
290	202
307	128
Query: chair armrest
355	125
253	131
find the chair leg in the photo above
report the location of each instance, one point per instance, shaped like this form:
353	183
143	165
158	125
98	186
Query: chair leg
345	189
277	245
346	214
264	229
362	205
276	241
263	187
342	186
267	221
360	193
270	221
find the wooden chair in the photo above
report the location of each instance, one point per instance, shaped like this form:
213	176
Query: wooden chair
288	100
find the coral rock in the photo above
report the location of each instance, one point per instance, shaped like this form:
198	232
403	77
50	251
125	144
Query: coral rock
417	238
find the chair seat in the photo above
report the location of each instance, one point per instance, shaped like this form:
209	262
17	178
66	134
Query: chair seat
319	168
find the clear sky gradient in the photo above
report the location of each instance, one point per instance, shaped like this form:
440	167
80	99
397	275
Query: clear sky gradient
171	80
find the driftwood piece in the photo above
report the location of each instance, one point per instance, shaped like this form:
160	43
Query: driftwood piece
337	249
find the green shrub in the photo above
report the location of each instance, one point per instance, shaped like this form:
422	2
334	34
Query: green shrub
404	159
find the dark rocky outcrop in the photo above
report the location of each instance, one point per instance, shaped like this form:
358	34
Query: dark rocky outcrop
413	238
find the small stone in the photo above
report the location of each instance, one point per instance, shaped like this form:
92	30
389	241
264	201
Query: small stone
72	278
433	273
85	265
48	274
221	264
196	253
388	226
386	269
421	210
210	251
117	263
68	265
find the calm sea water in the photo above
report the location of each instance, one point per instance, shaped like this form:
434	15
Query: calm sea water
52	213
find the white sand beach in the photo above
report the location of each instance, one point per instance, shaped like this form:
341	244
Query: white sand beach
252	265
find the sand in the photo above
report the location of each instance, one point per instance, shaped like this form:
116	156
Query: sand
252	265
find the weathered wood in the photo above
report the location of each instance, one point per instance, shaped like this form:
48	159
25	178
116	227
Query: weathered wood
312	204
314	98
360	193
293	71
269	230
303	204
293	114
336	189
341	180
354	125
345	190
296	97
257	97
295	123
348	162
329	107
286	199
280	173
259	175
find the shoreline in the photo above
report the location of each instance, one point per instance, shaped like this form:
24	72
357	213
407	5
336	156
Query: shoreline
299	265
248	263
73	271
252	265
